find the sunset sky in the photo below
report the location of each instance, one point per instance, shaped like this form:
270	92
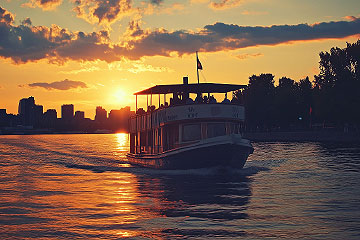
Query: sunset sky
99	52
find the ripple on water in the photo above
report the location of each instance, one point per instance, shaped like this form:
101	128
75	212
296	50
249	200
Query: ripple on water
80	186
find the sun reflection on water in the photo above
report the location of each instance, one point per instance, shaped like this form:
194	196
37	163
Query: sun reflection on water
122	147
122	141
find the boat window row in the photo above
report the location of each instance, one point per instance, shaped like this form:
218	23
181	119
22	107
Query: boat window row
172	136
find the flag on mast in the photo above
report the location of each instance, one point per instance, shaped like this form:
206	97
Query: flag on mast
199	66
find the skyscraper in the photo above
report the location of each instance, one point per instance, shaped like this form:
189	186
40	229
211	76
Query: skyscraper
30	114
79	115
67	112
101	114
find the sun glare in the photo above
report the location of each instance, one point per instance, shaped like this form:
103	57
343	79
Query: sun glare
119	95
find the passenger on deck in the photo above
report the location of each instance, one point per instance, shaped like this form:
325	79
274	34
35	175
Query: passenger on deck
140	111
198	99
212	99
176	100
205	99
226	100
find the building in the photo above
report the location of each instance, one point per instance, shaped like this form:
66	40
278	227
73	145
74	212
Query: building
50	118
79	115
101	115
50	115
3	118
3	113
30	114
119	119
67	112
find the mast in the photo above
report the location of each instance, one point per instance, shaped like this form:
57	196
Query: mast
197	67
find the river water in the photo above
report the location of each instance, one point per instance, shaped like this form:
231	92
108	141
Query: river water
80	187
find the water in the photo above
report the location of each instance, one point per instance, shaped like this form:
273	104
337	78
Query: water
81	187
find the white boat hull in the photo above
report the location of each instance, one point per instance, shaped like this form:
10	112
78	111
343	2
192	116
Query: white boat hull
229	150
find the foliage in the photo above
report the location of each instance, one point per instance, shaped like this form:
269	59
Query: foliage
333	98
337	85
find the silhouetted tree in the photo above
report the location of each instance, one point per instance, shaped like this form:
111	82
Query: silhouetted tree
337	85
305	100
286	104
258	101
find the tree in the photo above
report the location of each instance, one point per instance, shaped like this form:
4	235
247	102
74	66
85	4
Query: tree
305	99
286	109
258	100
337	85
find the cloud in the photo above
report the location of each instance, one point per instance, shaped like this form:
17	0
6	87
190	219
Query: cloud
221	36
27	21
351	18
24	43
102	11
225	4
141	67
156	2
248	55
44	4
77	71
5	16
60	85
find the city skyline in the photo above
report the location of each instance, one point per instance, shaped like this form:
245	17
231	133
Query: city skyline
77	113
89	52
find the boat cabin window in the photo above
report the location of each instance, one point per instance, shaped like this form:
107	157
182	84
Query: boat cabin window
191	132
216	129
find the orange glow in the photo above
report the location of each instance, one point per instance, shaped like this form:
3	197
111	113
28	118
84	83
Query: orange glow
118	95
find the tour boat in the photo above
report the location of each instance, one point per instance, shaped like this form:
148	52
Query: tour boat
188	133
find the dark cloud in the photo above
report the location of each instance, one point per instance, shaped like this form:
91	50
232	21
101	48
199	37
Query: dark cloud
221	36
156	2
60	85
101	11
25	42
5	16
225	4
27	21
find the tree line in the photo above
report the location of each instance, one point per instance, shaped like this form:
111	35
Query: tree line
331	99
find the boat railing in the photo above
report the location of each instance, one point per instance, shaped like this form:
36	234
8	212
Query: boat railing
212	111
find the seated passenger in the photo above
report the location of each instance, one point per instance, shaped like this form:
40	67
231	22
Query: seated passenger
205	99
212	99
226	100
140	111
198	99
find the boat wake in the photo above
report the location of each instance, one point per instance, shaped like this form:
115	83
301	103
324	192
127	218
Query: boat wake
246	171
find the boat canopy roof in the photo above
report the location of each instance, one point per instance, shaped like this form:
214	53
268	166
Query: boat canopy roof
191	88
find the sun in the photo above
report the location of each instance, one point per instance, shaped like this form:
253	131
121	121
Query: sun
119	95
